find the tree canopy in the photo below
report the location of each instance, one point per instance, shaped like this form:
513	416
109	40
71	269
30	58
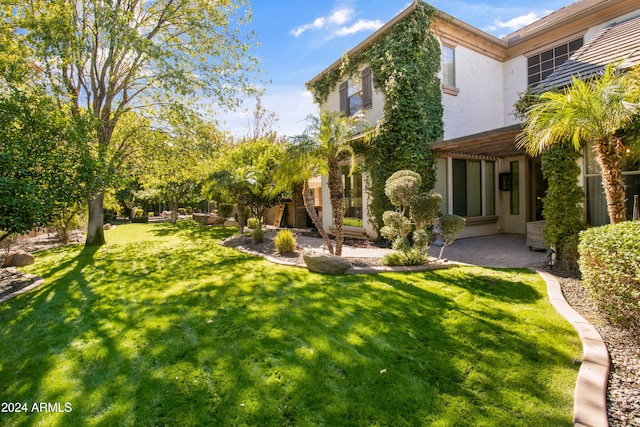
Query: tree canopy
596	111
109	58
40	149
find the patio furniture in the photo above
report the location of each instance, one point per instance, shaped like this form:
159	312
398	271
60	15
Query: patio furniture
535	235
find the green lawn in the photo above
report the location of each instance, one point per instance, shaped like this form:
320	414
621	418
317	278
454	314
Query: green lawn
162	326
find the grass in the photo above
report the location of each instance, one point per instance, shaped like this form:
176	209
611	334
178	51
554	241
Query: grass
352	222
162	326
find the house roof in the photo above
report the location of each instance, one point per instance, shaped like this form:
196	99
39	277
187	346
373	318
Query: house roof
580	16
618	43
490	145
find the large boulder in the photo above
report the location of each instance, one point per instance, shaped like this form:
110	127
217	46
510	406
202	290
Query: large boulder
18	259
326	263
203	218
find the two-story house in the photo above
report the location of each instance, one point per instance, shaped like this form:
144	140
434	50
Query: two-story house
480	173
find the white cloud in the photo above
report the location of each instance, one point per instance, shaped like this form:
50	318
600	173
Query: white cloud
338	17
360	25
516	23
341	16
337	24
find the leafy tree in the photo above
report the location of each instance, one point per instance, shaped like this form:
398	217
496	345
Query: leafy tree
237	180
108	58
594	110
40	148
264	157
179	158
329	139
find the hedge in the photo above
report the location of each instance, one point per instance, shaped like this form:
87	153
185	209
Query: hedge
610	266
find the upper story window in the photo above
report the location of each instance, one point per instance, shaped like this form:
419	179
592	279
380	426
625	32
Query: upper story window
356	93
542	64
448	66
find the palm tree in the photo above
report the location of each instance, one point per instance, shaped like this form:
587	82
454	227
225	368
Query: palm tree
593	111
237	180
299	166
326	144
332	135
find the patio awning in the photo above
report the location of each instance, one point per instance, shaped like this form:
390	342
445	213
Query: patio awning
490	145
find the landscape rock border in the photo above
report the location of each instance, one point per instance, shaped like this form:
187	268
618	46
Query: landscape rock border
36	281
590	394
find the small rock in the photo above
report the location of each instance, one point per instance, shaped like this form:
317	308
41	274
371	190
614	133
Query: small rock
107	226
18	259
382	372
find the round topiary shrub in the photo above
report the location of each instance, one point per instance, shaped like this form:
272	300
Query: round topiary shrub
285	242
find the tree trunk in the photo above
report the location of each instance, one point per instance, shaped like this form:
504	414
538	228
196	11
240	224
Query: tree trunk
173	205
95	230
242	202
609	159
309	205
336	194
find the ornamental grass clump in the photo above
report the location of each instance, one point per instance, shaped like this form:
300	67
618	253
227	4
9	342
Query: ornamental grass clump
285	242
258	235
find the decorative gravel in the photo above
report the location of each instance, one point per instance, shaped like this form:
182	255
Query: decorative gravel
623	392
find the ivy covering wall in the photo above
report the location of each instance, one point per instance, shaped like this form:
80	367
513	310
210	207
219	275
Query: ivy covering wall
404	64
562	202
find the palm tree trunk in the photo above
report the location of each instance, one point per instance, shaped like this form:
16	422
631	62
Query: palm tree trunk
609	159
336	193
309	205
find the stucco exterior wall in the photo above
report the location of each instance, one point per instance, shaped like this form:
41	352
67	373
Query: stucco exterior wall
479	104
515	82
377	102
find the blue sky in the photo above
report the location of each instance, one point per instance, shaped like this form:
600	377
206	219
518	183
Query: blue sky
298	39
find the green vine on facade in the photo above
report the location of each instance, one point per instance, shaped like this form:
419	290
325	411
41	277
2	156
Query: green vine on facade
561	206
404	64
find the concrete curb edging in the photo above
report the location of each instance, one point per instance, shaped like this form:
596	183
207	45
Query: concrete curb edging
590	395
37	281
359	270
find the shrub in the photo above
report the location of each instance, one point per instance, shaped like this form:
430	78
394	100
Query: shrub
137	212
182	211
402	188
140	219
285	242
253	223
450	227
395	225
188	210
258	235
415	257
401	244
409	257
394	259
150	214
610	265
225	209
